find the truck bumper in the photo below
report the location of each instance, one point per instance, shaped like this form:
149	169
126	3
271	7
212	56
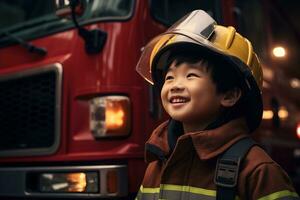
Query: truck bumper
28	181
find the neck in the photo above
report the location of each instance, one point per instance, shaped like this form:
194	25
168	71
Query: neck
200	125
193	127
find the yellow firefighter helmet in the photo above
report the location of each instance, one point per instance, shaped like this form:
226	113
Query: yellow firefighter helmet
197	30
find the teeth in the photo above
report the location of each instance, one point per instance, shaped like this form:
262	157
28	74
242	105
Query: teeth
178	100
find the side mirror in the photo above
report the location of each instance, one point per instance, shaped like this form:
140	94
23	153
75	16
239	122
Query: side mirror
94	39
63	8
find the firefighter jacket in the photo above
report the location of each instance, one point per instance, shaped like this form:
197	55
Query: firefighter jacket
187	172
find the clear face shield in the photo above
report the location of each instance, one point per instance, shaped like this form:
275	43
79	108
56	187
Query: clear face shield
196	27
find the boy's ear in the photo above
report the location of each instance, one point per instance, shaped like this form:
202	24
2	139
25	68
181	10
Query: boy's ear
231	97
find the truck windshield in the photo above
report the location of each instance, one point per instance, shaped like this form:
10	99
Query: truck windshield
20	16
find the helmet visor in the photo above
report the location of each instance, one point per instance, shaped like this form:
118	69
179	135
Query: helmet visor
195	27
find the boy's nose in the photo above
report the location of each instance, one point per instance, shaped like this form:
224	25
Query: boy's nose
177	88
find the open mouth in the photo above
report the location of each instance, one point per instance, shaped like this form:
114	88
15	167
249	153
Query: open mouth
178	99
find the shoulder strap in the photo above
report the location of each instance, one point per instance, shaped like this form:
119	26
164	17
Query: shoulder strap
228	166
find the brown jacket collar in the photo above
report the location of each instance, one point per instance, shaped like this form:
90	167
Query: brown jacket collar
207	144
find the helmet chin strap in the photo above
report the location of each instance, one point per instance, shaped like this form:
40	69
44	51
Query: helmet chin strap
226	116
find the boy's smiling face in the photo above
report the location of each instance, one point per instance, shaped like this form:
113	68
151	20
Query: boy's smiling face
189	95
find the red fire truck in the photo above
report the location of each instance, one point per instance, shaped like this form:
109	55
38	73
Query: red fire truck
74	114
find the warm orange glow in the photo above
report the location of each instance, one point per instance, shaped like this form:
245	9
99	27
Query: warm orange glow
77	182
295	83
283	113
279	52
116	114
114	119
267	114
110	116
298	131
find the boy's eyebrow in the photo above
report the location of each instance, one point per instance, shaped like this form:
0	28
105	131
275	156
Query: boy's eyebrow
169	69
194	66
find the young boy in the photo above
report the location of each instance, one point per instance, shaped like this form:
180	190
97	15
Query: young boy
210	82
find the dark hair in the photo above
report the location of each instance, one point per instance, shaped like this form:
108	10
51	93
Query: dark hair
225	77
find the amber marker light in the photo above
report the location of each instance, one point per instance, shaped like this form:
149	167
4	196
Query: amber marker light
110	116
112	181
114	116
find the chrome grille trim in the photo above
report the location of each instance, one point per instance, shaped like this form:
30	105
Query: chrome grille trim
57	68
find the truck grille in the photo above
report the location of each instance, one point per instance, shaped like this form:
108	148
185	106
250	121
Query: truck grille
28	110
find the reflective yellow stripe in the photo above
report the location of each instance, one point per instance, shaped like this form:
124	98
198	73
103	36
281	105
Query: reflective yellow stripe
178	188
184	188
149	190
280	194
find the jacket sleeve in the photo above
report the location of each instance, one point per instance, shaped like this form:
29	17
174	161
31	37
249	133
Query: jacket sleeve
269	181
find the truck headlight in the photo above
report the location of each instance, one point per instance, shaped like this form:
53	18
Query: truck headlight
69	182
78	181
110	116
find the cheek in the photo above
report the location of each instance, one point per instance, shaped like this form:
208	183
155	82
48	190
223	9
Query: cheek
203	96
163	93
198	92
164	96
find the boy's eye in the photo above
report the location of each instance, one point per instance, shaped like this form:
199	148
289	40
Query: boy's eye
168	77
192	75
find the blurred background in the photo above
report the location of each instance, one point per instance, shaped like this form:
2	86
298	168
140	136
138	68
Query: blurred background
74	114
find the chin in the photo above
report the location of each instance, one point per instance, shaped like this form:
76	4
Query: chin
179	115
180	118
